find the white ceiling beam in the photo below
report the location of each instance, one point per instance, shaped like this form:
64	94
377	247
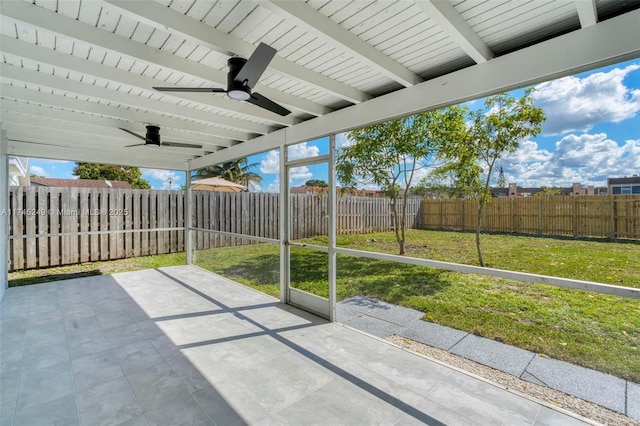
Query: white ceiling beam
449	20
609	42
208	142
73	139
232	126
43	55
43	98
162	17
309	18
36	150
111	135
62	25
587	12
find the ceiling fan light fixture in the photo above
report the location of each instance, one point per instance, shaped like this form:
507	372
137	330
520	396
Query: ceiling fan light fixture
238	95
152	138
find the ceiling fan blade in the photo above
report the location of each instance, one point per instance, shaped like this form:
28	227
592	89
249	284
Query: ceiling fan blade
255	65
191	89
139	144
182	145
133	134
266	103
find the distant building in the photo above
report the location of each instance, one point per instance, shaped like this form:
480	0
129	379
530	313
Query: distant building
18	171
368	193
79	183
575	189
624	185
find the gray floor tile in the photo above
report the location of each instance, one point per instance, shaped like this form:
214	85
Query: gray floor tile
268	387
91	370
43	355
182	410
301	373
192	378
38	387
88	324
81	345
502	357
396	314
374	326
433	334
155	386
109	403
110	319
51	333
361	408
603	389
549	417
483	402
138	356
229	404
55	412
633	400
309	413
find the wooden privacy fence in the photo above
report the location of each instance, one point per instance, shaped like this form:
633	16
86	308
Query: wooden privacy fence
61	226
257	214
613	216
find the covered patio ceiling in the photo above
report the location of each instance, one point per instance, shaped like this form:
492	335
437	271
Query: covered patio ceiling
76	72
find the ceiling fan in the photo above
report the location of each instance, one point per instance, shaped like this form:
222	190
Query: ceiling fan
152	139
242	77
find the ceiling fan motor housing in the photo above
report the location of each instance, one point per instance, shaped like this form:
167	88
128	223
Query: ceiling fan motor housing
236	89
153	136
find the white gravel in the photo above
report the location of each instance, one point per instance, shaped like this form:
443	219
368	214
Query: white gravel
588	410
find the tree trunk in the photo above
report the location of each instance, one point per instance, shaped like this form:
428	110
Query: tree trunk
394	215
478	224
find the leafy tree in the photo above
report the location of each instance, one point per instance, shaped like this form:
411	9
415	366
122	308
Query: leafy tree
319	183
238	171
548	192
493	131
133	175
429	187
388	155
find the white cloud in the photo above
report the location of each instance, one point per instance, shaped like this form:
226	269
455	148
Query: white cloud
37	170
342	140
270	164
274	186
302	150
169	179
577	104
299	175
587	159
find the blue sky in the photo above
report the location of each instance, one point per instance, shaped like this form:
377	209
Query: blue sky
592	132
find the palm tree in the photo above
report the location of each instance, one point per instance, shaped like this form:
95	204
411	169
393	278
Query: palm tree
238	171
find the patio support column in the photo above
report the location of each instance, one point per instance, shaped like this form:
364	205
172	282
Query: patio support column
285	226
188	207
4	217
332	228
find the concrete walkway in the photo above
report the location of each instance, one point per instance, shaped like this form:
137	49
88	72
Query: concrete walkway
383	319
180	346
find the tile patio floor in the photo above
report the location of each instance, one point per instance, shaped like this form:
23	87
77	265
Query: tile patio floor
180	346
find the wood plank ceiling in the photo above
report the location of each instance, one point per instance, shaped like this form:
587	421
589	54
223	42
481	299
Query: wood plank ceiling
76	72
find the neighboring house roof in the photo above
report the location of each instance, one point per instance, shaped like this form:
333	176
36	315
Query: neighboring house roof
79	183
623	180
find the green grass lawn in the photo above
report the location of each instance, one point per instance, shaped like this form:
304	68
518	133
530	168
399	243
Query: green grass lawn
593	330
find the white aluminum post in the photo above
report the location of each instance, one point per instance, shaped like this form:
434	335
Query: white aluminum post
4	209
284	225
188	224
332	228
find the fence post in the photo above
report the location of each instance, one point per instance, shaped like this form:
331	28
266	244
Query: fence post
540	215
574	224
612	222
188	219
